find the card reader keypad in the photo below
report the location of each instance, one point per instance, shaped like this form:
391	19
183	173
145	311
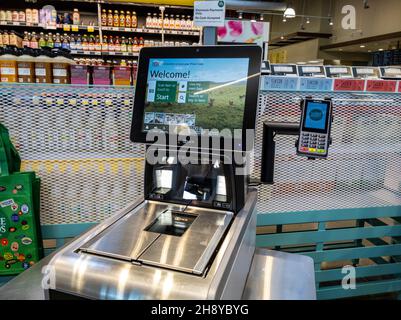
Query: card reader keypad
313	143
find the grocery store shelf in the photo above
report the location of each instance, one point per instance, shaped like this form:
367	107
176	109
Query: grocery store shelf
152	31
104	53
73	28
85	155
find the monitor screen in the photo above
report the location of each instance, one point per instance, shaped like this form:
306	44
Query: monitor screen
200	94
316	116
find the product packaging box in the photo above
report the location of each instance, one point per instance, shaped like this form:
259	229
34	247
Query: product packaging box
80	74
122	76
101	75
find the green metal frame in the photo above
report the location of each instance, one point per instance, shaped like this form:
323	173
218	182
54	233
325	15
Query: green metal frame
368	228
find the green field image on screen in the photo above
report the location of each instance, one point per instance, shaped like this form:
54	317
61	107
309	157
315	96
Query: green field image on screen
221	108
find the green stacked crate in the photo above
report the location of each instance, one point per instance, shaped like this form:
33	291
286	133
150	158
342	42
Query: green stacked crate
20	237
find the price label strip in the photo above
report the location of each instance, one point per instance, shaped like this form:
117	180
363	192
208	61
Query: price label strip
381	86
349	85
316	84
277	83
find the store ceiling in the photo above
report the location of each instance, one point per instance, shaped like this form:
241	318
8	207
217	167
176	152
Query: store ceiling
367	45
297	37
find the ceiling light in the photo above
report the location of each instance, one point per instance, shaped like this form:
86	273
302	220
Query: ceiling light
307	20
261	18
362	46
331	22
282	37
381	49
253	19
239	15
289	13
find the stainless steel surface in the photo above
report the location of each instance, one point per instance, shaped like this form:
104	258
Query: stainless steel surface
128	239
278	275
273	276
192	251
100	277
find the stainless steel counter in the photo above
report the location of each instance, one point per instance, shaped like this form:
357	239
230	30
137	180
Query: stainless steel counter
274	276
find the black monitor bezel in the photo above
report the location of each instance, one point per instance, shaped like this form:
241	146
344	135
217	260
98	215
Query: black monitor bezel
328	103
254	53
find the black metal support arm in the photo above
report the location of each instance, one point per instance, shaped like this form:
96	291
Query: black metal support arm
270	130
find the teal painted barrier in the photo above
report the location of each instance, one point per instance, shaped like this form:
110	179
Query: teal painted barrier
371	238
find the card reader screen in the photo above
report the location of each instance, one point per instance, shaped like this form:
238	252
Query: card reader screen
316	116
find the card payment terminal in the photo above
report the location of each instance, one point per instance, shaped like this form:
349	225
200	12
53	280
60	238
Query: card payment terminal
314	134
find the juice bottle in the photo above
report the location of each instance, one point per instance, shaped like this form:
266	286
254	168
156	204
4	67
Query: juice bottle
141	43
188	24
134	20
110	18
128	19
117	44
183	23
33	43
76	18
166	22
148	22
78	43
116	19
123	45
135	45
105	44
1	40
25	40
98	45
172	22
111	43
57	41
73	45
155	20
91	43
85	43
21	16
104	17
43	68
160	22
6	38
122	19
177	23
130	45
28	16
42	40
35	16
66	42
9	16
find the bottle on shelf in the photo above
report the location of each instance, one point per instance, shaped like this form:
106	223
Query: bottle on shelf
91	43
128	23
21	16
160	21
98	45
85	43
177	23
141	43
6	38
110	18
135	45
73	45
122	19
183	23
26	66
116	19
134	20
123	45
148	21
42	40
33	42
15	16
78	43
166	22
155	21
8	65
2	15
57	41
76	18
117	44
105	44
130	45
111	43
61	68
188	24
9	16
25	40
43	67
104	18
49	41
172	22
35	16
66	42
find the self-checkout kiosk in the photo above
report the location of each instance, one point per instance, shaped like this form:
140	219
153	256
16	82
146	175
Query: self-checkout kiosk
193	235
